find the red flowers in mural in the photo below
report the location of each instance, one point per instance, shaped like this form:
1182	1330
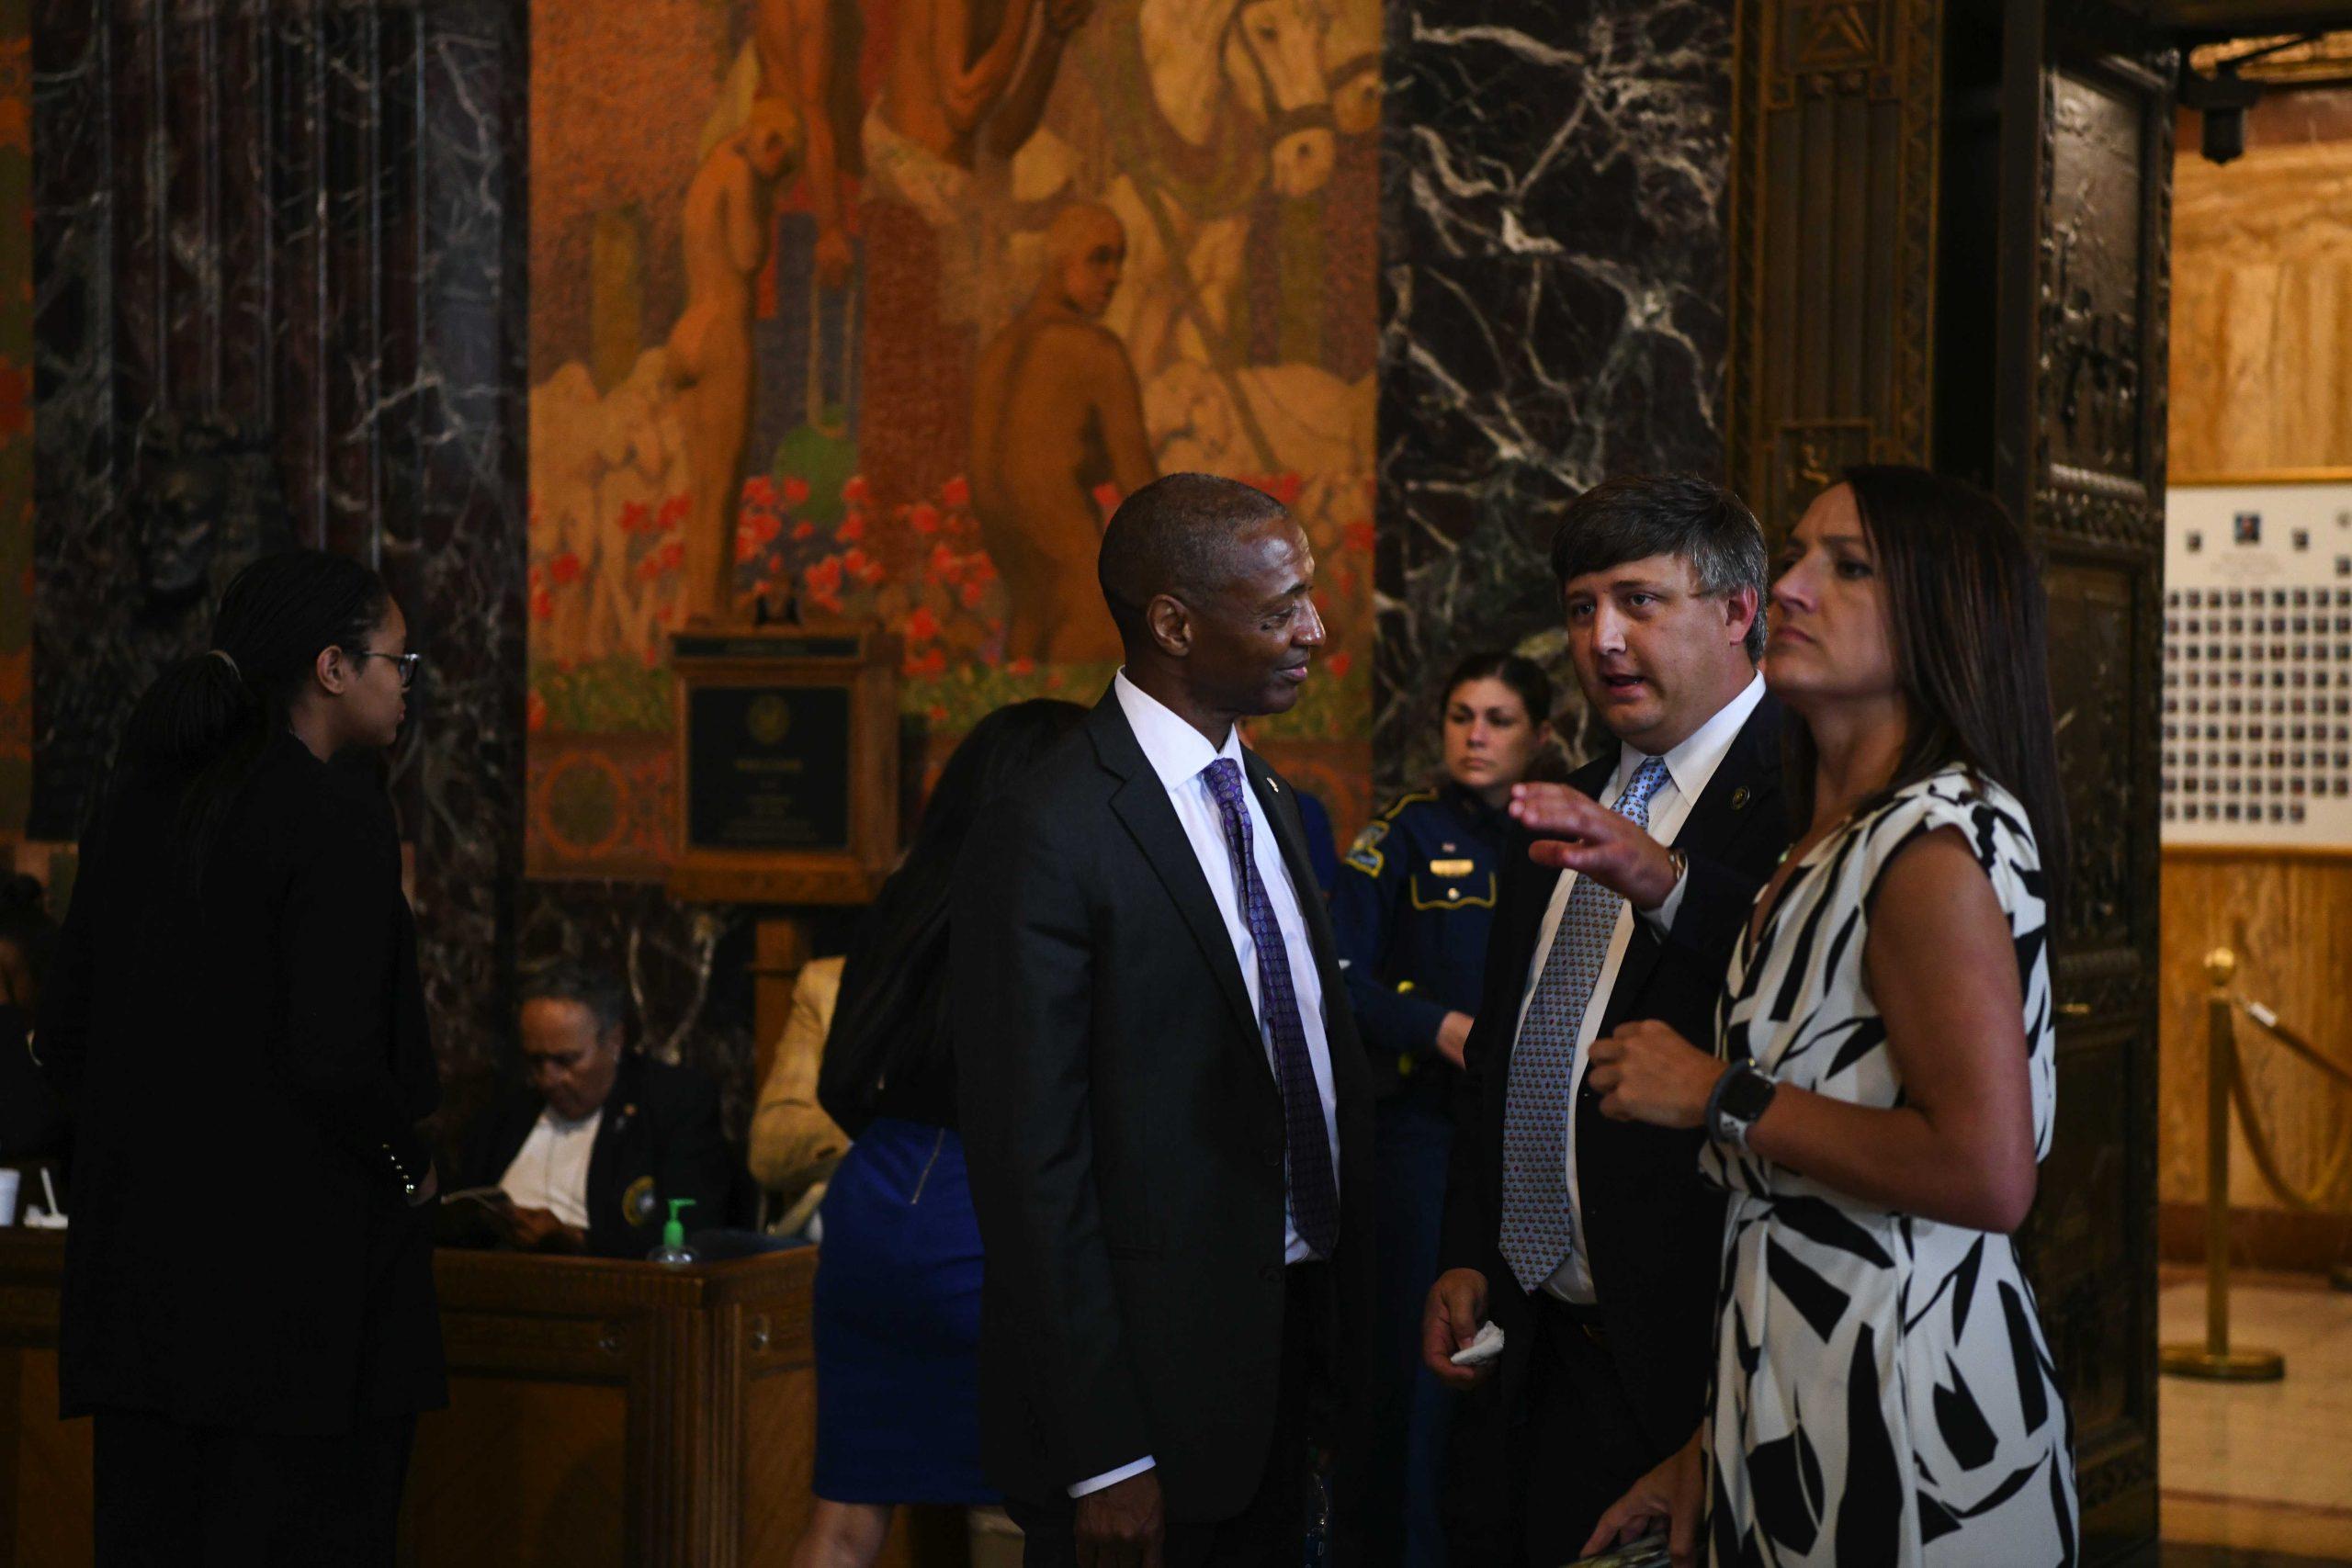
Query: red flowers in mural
917	566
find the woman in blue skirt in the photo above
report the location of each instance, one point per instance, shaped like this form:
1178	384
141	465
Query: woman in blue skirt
898	1303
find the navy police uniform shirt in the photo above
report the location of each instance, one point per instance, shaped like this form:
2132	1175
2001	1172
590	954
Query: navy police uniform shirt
1413	907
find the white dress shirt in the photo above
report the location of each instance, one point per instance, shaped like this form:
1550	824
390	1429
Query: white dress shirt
551	1170
1180	755
1689	768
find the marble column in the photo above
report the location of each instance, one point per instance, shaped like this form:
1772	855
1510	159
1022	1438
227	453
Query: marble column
472	71
285	238
1552	293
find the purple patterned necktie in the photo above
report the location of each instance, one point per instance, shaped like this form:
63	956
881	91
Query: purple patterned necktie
1313	1193
1537	1222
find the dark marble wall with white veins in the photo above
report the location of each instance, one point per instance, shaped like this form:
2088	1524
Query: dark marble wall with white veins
279	257
280	275
1554	264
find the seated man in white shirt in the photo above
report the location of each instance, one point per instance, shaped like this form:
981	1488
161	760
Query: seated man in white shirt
591	1148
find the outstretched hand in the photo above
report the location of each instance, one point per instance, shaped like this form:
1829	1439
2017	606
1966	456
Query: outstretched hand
1574	832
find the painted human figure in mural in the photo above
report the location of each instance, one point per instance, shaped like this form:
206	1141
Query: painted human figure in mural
799	56
938	96
725	230
963	86
1055	412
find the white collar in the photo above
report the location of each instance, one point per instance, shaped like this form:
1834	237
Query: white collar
1694	761
1177	752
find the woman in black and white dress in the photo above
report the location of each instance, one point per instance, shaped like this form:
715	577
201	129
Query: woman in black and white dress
1884	1085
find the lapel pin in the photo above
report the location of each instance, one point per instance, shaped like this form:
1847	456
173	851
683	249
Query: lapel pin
1739	798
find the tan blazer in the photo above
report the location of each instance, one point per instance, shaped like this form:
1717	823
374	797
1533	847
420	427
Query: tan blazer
795	1146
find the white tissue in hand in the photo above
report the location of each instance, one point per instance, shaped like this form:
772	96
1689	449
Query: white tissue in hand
1485	1346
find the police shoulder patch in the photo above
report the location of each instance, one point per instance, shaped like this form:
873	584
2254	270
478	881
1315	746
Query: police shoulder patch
1365	854
1410	797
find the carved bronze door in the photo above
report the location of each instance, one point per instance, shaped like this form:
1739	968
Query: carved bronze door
1949	225
2078	455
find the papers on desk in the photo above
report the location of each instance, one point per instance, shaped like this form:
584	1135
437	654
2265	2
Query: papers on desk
495	1197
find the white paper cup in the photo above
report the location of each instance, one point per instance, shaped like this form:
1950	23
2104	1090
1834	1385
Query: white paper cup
10	1181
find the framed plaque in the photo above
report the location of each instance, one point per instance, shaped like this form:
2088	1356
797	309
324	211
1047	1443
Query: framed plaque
2258	664
788	764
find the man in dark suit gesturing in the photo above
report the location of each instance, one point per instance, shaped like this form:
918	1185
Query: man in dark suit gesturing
1166	1114
1592	1243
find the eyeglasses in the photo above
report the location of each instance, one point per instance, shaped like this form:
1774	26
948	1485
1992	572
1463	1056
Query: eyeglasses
407	662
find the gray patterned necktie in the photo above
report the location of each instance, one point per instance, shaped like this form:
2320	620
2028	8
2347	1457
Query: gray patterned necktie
1537	1224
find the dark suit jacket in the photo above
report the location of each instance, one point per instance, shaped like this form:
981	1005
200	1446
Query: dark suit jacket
245	1069
1124	1135
661	1139
1653	1230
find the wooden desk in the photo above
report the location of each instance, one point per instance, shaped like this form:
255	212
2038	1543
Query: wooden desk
599	1413
618	1413
44	1462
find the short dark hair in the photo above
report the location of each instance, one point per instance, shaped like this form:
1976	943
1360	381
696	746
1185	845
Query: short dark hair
569	980
1522	675
1634	517
1173	537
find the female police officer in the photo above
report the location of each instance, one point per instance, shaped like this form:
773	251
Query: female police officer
1414	899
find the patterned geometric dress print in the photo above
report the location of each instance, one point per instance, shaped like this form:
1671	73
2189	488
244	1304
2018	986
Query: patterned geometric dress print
1882	1394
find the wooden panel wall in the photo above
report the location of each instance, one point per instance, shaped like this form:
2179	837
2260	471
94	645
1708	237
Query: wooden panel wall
2262	294
2261	381
2290	919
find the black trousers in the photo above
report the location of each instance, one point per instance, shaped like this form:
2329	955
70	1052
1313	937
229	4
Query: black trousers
1271	1532
1580	1442
176	1496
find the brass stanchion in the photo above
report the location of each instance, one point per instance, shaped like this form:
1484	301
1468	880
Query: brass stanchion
2214	1358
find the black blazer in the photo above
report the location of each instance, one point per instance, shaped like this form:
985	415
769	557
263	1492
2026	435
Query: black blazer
1653	1230
661	1139
1124	1135
246	1069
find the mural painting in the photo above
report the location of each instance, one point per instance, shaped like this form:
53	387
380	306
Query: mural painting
873	311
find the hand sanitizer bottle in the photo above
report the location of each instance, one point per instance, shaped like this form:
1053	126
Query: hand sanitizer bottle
673	1249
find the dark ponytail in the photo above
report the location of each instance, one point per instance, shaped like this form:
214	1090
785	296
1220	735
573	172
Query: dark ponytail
199	730
891	1021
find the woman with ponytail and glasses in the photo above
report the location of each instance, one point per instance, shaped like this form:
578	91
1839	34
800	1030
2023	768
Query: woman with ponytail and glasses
235	1019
